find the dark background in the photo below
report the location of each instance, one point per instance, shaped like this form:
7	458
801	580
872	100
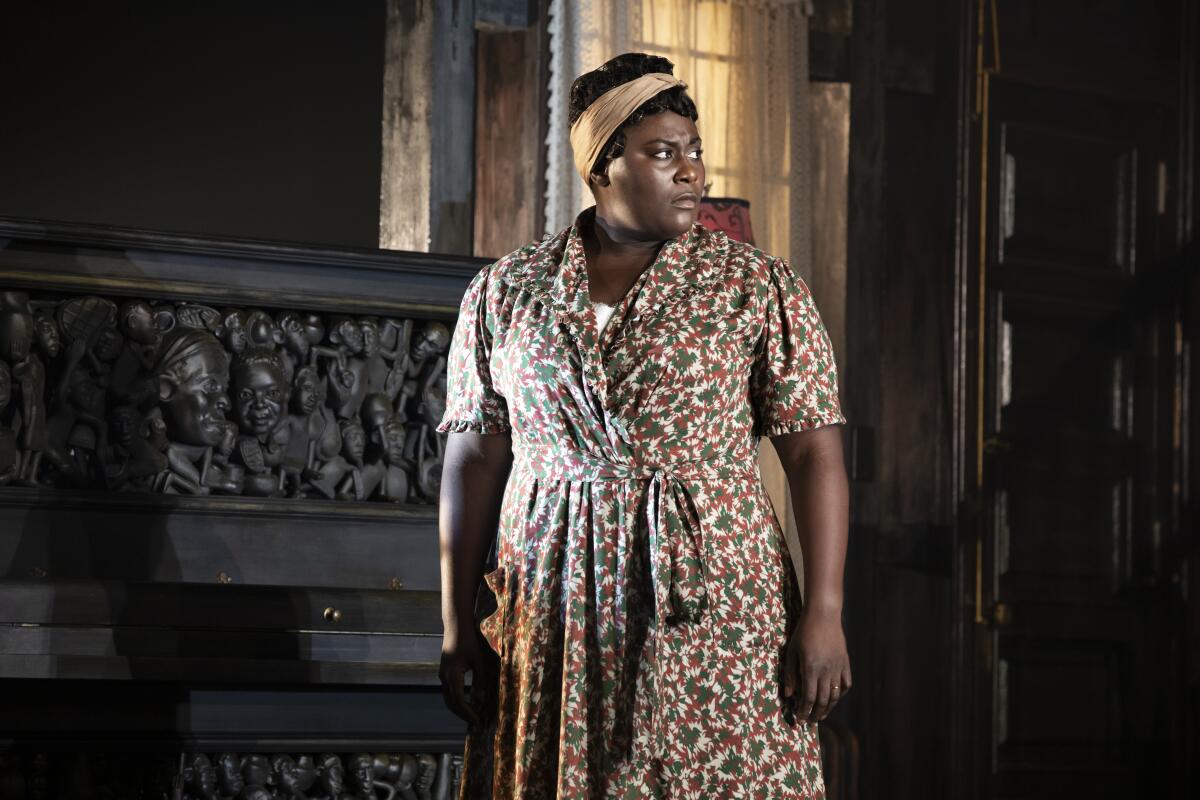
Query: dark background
230	119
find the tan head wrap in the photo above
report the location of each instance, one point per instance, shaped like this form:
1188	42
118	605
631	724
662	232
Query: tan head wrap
591	131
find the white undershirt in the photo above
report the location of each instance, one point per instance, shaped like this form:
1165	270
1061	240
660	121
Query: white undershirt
603	314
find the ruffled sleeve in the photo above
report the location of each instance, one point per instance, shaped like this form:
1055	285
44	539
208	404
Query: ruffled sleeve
793	383
472	402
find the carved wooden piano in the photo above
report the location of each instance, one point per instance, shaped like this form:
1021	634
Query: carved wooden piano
218	538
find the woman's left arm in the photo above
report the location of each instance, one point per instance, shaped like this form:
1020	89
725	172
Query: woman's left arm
816	660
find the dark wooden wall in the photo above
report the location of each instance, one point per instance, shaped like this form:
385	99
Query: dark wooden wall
256	120
909	375
898	385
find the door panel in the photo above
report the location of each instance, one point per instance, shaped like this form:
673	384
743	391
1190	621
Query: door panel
1070	486
1063	501
1075	192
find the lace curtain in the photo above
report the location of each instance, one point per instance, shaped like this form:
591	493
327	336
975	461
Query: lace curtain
583	35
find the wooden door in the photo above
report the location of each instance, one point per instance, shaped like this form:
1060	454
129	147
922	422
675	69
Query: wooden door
1073	644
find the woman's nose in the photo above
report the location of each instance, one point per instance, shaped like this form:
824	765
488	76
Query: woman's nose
688	171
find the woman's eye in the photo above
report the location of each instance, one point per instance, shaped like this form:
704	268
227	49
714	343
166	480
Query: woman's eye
661	153
696	154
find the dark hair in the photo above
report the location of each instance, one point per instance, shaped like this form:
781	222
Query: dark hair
614	72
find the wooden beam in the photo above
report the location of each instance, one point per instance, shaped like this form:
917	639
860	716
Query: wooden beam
510	129
427	174
404	185
452	186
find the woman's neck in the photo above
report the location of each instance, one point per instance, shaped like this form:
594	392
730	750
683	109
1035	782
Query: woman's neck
616	246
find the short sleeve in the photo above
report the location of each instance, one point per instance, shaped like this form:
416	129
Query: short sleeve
793	383
472	402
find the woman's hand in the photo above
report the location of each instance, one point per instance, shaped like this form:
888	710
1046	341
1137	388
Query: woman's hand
463	652
816	666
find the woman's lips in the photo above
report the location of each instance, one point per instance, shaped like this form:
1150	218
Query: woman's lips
685	201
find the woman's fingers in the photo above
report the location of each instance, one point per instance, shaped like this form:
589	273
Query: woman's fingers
821	707
835	694
822	688
452	674
809	690
814	676
483	685
791	670
839	684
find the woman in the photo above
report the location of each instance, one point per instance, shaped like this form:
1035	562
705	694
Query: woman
649	639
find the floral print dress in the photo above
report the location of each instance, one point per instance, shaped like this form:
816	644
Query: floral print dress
644	592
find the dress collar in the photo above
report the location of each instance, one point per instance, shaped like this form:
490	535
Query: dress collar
556	271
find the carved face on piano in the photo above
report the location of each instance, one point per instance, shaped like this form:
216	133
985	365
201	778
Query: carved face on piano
200	776
332	776
394	435
193	373
306	391
354	439
295	338
47	335
86	393
256	772
232	331
108	345
297	776
431	340
259	391
229	775
362	774
347	335
123	423
370	334
139	323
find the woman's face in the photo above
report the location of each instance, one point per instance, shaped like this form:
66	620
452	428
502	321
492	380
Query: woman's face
652	190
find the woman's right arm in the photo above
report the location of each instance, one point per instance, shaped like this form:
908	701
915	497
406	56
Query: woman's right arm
474	474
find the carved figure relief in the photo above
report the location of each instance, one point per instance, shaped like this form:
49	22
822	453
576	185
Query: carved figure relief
29	376
231	776
8	439
199	777
186	398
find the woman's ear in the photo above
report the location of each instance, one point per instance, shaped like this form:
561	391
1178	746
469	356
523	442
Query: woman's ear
600	178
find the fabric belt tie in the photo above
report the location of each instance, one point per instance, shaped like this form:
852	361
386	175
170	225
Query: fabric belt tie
677	563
